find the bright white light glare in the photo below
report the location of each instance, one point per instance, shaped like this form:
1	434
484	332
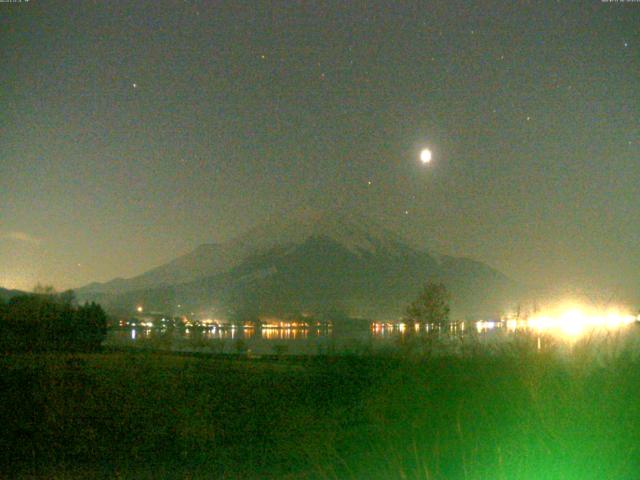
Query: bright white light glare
574	321
425	156
483	326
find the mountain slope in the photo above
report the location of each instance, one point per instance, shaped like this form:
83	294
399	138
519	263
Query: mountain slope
207	259
323	276
319	262
6	294
357	233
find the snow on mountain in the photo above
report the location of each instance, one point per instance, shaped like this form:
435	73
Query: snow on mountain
355	232
309	261
321	275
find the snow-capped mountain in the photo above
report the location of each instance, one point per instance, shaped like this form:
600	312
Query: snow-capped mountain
318	262
356	233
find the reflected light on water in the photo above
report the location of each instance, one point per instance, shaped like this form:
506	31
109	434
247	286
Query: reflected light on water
565	324
249	333
284	333
567	321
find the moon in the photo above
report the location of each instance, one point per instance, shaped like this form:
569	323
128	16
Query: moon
425	156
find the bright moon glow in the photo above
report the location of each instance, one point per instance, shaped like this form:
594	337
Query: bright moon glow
425	156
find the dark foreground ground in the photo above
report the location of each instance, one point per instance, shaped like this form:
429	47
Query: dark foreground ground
510	415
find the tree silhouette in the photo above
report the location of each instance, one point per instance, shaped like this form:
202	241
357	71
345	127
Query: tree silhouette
431	306
48	322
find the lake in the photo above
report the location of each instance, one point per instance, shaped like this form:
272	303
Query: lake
376	337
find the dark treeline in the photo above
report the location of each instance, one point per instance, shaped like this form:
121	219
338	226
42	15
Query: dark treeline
43	322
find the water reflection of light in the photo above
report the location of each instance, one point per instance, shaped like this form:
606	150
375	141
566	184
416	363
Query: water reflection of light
569	323
208	333
388	329
249	333
133	334
269	334
284	333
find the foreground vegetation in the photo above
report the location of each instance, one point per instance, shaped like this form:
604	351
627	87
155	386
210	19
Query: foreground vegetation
47	321
512	414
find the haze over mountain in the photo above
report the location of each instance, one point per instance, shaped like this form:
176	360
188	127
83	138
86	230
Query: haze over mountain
321	262
355	232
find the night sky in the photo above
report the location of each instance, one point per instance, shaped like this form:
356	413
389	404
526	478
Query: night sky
131	132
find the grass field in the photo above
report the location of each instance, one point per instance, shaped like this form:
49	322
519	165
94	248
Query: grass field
513	414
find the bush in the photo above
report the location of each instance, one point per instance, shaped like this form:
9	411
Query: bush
38	323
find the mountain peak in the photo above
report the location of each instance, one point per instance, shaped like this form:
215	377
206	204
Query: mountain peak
349	228
310	259
353	231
